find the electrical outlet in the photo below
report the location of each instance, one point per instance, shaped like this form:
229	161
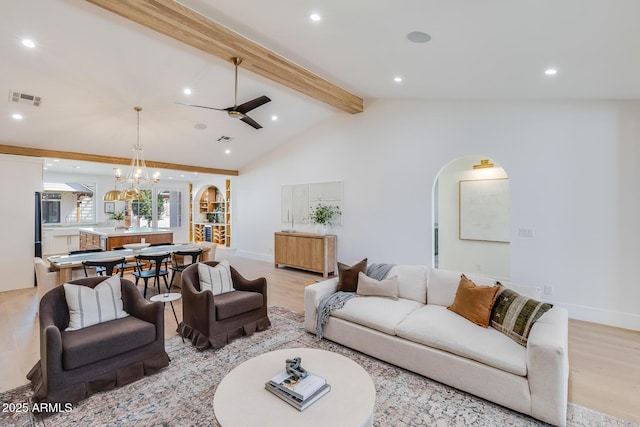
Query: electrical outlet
525	232
548	290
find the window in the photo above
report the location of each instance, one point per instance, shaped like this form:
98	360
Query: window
68	203
167	211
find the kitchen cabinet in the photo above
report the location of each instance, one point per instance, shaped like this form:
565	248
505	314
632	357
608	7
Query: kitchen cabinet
60	240
306	251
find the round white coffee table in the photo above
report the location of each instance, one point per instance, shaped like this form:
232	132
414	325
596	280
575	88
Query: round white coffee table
169	297
241	399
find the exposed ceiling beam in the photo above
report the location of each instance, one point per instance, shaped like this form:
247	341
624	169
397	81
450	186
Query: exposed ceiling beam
183	24
55	154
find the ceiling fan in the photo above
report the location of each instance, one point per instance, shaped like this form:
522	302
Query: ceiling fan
239	111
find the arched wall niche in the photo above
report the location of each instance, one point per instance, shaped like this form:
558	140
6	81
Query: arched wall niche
483	190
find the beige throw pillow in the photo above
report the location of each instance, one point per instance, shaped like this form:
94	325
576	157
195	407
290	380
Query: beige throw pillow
215	279
473	302
90	306
387	288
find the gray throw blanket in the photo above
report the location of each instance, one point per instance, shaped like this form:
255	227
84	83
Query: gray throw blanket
338	299
379	271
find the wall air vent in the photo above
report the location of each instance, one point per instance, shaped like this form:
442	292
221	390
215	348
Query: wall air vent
23	98
224	139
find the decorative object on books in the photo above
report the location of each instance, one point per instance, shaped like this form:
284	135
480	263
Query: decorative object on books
292	366
183	381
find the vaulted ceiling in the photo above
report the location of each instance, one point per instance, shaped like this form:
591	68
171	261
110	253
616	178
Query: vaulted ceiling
91	67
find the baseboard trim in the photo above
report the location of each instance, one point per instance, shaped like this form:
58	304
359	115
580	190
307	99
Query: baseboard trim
602	316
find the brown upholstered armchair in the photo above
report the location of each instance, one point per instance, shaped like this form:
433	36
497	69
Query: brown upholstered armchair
75	364
213	321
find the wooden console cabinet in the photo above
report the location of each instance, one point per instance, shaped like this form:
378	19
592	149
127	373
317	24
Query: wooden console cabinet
312	252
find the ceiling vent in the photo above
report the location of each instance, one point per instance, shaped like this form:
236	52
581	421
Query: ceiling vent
23	98
224	139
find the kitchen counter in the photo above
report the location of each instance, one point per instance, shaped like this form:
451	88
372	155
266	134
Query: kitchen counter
111	231
107	238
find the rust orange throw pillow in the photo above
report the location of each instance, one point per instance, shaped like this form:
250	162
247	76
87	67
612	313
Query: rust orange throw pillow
474	302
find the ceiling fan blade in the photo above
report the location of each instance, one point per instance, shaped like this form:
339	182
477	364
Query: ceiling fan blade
248	120
250	105
202	106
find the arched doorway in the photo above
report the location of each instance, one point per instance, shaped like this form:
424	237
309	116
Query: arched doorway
471	217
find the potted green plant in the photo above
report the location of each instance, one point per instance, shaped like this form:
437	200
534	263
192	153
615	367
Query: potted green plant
118	217
321	215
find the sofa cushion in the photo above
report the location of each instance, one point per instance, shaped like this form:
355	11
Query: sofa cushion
232	304
514	314
348	275
215	279
89	306
437	327
98	342
474	302
412	281
368	286
443	285
381	314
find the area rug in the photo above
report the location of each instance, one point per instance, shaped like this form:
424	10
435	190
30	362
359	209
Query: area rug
182	393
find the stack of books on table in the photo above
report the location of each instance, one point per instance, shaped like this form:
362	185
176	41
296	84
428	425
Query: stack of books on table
298	393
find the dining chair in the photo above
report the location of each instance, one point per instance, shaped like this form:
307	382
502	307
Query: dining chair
181	260
155	270
105	266
126	265
99	270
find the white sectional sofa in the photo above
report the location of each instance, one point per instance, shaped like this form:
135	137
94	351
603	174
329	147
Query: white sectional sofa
418	333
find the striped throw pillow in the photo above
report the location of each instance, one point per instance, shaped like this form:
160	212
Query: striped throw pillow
89	306
215	279
514	314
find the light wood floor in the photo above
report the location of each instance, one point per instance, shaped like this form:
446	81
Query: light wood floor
604	361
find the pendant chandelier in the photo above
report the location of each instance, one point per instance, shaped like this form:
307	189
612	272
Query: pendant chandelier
137	177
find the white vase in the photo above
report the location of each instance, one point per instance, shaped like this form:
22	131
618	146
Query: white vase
321	229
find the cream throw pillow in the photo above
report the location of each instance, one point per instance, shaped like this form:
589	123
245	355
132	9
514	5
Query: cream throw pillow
387	288
215	279
92	306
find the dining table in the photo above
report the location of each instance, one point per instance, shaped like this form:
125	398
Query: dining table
64	264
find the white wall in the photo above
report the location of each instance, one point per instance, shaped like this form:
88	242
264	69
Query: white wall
573	174
472	256
21	178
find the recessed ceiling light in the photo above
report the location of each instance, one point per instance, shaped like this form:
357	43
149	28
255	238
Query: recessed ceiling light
17	116
227	151
200	126
550	71
418	37
181	175
397	79
274	118
28	43
76	167
315	17
187	91
56	160
49	164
